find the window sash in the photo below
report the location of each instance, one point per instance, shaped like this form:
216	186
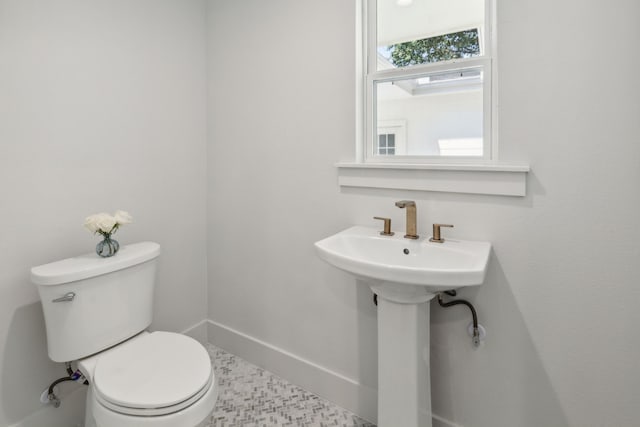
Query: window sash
374	76
369	14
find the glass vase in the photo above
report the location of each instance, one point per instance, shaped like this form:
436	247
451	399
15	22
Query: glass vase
107	247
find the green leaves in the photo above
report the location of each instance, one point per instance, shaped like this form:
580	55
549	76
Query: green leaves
462	44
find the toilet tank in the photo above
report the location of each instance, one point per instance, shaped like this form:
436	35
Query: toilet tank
101	301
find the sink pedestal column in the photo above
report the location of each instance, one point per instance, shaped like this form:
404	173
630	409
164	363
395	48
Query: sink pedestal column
404	383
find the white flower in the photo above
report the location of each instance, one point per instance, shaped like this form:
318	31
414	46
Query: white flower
91	223
104	223
122	217
100	223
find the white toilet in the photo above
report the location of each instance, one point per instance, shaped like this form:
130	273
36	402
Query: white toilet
96	312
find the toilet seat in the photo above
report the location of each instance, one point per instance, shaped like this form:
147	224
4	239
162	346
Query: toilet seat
153	411
158	374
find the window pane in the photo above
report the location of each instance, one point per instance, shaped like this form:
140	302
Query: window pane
443	113
411	32
386	144
391	141
382	141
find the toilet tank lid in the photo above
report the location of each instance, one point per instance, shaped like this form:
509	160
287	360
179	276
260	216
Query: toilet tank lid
91	265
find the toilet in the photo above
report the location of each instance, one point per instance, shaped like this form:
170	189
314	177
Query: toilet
97	311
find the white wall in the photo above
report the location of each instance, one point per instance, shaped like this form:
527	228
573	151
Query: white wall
435	117
102	107
281	113
559	299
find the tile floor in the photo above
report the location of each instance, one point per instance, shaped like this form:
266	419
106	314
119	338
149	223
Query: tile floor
249	396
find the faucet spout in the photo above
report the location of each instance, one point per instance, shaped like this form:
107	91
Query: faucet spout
405	203
412	228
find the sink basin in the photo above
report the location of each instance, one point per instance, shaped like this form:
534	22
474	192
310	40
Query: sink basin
405	274
394	262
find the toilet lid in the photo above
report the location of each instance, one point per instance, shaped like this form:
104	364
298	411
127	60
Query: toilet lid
157	372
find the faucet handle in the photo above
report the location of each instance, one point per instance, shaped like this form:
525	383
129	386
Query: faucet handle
437	238
387	226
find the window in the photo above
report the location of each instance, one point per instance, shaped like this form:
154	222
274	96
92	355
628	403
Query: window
387	144
391	135
427	66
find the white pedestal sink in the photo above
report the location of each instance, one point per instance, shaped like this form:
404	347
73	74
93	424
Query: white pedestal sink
406	275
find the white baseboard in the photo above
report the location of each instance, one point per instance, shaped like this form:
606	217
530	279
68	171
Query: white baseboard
199	331
441	422
339	389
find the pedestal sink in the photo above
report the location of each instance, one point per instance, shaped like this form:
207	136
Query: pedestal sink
406	275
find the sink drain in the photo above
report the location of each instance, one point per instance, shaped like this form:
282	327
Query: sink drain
406	251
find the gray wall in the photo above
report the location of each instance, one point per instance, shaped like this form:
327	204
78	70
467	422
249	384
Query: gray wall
558	302
102	107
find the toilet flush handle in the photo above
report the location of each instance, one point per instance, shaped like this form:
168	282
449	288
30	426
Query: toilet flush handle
69	296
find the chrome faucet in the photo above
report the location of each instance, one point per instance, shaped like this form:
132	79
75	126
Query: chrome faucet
412	229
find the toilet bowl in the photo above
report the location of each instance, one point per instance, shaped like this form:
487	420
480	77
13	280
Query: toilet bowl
97	311
154	379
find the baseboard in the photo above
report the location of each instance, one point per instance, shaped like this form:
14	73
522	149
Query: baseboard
337	388
199	331
441	422
69	414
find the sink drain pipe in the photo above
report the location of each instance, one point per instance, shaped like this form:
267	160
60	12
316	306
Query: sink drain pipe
453	293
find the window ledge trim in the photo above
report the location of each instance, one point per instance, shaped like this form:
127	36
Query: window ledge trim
504	179
489	167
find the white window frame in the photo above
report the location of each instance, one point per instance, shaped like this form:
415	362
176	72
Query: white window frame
371	76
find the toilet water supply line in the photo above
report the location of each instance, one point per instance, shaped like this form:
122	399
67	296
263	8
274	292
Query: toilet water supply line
76	376
453	293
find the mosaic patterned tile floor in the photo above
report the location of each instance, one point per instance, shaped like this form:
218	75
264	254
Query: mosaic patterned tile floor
249	396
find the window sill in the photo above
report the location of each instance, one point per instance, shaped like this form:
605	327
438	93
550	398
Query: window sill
495	179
